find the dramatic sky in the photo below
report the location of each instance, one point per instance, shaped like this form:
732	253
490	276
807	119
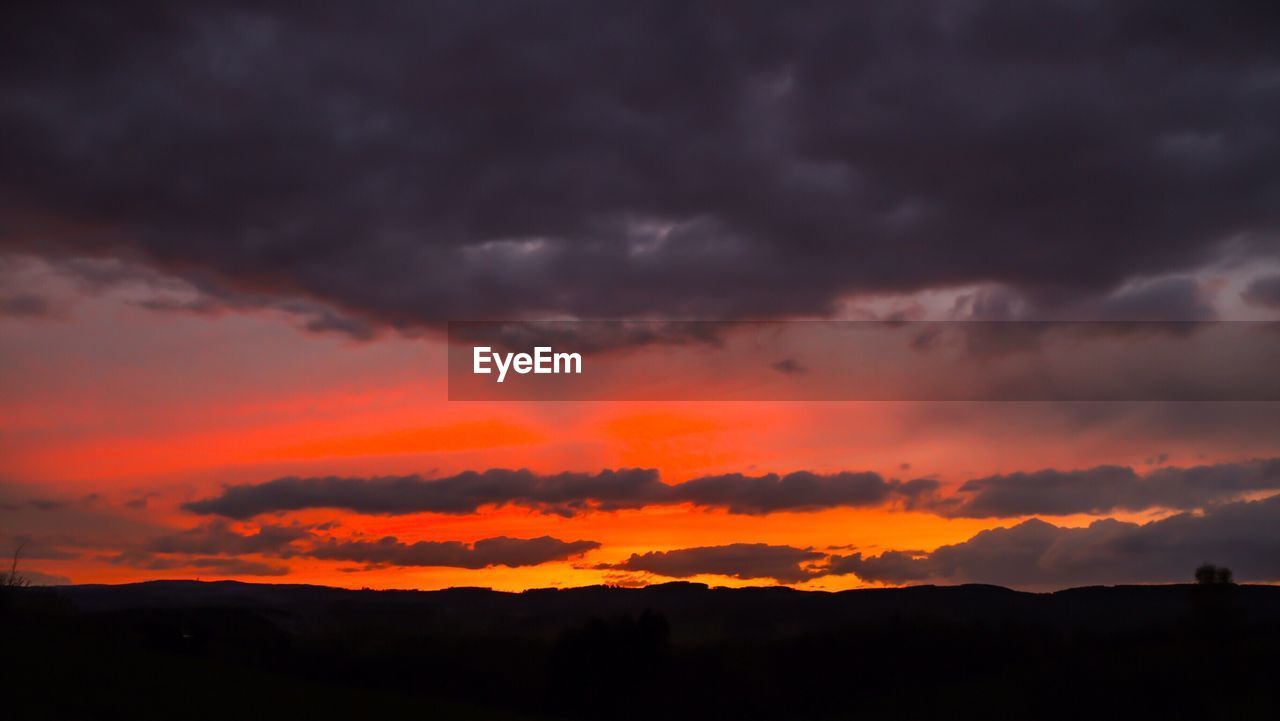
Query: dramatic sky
230	238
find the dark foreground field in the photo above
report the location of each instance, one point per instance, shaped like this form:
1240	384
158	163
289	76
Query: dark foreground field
190	650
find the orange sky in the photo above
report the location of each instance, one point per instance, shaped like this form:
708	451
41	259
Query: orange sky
129	404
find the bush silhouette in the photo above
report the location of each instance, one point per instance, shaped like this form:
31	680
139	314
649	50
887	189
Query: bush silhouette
11	581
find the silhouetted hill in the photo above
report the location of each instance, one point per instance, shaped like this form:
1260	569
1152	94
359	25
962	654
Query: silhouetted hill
697	613
678	650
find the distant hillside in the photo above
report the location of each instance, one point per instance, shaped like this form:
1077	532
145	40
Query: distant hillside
695	611
676	650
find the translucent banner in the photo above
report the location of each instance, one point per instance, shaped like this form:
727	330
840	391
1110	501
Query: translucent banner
864	360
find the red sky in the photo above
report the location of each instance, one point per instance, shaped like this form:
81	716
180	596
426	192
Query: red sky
120	414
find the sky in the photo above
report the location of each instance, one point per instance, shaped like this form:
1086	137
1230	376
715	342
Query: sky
231	238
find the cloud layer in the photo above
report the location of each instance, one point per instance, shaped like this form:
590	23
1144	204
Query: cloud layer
1033	554
497	551
566	494
1036	554
220	549
412	163
1108	489
785	564
1052	492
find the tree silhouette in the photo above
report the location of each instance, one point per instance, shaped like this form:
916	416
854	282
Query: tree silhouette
12	579
1211	575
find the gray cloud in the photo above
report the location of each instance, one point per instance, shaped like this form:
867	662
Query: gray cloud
563	493
410	163
785	564
1175	298
197	292
218	538
798	491
65	525
566	494
1264	292
24	305
1104	489
1036	554
497	551
1167	299
219	547
1108	489
1032	554
788	366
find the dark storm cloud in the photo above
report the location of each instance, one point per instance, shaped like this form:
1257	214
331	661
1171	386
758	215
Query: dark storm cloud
1169	299
220	547
565	494
1103	489
799	491
498	551
1150	301
1108	489
785	564
1036	554
407	163
1264	292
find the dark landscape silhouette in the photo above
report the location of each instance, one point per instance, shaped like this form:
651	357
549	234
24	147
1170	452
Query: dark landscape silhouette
190	649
